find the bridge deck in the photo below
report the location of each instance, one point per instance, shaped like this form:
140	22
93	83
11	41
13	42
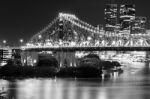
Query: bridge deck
90	49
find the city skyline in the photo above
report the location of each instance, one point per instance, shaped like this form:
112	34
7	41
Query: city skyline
74	49
23	19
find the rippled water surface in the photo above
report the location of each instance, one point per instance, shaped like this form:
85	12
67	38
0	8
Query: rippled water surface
134	83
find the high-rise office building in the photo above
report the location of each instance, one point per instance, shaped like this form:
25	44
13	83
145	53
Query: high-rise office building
120	2
127	16
139	25
119	15
110	19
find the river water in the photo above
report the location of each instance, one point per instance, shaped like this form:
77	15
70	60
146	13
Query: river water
133	83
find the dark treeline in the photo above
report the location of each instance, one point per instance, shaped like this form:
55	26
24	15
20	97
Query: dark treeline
49	68
13	70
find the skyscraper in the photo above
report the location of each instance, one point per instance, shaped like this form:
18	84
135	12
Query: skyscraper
110	17
119	15
139	25
120	2
127	15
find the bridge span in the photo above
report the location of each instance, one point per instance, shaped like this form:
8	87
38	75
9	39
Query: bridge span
68	49
67	34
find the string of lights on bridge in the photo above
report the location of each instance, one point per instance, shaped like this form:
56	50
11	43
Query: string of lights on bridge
76	21
115	39
103	43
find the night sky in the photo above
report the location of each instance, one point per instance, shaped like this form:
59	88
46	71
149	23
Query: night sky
23	19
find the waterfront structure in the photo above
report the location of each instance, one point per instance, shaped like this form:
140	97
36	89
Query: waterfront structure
5	54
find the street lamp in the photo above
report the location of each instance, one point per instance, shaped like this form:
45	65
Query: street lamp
40	36
4	42
21	41
89	38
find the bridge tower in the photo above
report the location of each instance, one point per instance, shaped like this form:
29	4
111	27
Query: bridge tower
66	59
65	33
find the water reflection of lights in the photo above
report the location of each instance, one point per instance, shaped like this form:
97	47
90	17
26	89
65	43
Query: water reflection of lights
124	88
102	94
49	89
27	88
123	85
3	85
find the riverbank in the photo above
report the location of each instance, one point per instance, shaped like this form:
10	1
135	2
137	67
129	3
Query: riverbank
129	85
45	72
86	69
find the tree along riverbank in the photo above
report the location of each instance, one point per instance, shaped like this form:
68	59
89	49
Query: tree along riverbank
82	71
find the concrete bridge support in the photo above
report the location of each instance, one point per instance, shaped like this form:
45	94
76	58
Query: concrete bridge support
29	58
66	59
148	59
147	54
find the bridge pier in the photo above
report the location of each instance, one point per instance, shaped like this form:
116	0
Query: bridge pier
29	58
148	59
66	59
147	54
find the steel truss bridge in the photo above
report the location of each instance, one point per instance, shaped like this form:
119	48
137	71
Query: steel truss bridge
68	32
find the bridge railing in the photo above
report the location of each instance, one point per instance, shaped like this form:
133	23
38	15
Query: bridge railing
82	44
